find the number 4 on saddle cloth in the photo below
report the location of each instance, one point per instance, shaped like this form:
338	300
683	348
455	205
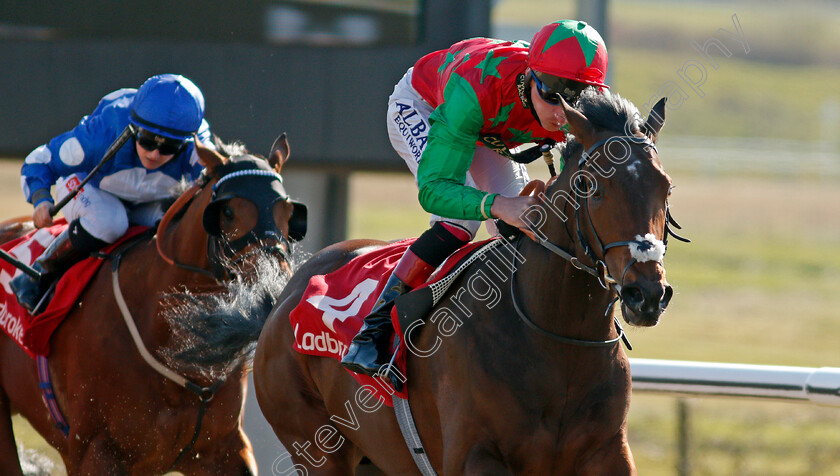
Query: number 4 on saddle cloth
334	306
33	333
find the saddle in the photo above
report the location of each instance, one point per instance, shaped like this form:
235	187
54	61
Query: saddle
32	333
334	306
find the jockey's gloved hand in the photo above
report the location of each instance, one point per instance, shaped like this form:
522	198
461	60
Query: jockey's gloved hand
41	217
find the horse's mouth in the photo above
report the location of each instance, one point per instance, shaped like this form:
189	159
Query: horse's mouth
642	318
642	308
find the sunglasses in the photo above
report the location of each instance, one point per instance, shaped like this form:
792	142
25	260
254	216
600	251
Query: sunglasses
571	91
153	142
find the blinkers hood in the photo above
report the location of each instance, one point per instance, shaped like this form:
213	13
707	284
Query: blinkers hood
242	180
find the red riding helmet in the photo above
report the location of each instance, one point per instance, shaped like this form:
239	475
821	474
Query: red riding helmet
569	49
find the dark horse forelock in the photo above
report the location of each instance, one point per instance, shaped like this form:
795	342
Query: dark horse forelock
606	112
610	111
232	149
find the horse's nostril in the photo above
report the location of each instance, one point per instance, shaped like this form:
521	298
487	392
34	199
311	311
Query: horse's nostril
666	297
632	296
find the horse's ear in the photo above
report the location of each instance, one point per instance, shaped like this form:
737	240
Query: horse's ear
279	153
579	124
655	120
209	158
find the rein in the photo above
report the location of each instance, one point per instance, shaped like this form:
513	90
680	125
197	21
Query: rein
563	339
599	270
174	210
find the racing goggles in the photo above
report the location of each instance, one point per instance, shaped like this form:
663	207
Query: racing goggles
566	88
152	142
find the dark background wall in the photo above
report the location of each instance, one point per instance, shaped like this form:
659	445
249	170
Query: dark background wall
330	99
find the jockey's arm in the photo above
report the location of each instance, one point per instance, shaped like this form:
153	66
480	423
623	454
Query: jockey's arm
441	179
72	152
455	127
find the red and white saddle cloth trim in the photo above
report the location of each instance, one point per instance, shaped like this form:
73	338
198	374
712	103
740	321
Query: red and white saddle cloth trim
33	333
334	306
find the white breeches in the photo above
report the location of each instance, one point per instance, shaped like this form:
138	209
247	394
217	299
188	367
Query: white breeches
102	214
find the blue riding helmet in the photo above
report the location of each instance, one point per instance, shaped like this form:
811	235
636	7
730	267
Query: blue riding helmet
168	105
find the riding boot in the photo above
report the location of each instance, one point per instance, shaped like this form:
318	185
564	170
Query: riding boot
59	256
370	349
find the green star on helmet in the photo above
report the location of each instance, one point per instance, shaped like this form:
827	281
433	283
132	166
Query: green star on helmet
569	49
587	41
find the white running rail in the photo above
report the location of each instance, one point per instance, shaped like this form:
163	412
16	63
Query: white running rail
820	385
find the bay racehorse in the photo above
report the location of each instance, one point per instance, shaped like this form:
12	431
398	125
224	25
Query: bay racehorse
123	416
520	371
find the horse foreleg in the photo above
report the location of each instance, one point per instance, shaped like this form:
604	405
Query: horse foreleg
9	460
287	402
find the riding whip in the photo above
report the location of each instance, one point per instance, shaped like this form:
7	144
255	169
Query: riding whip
545	149
126	134
32	272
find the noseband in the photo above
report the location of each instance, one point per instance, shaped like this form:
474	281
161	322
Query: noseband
219	250
640	248
255	186
640	244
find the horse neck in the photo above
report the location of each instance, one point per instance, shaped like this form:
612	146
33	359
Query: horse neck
185	240
559	297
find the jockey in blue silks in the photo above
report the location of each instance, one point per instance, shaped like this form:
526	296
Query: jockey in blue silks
129	189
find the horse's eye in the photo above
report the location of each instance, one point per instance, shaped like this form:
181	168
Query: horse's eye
597	194
227	212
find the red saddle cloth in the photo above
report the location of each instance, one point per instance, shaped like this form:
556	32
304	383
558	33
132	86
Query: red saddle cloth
33	333
334	306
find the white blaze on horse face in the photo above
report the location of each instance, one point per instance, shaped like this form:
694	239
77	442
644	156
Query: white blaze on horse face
634	169
654	252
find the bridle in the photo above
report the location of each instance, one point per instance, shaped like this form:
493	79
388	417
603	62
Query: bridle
599	268
253	184
259	183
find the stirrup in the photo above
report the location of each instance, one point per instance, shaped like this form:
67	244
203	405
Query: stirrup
45	300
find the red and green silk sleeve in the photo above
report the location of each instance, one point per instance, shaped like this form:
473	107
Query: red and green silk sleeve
455	127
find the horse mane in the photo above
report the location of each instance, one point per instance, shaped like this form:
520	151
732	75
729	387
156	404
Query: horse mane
606	112
207	324
206	344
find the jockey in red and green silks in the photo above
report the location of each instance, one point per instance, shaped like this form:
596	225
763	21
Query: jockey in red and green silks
454	118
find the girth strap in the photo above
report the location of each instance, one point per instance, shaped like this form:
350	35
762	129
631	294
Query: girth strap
402	410
46	386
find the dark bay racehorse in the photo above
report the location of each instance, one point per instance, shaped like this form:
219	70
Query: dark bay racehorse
521	371
124	416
